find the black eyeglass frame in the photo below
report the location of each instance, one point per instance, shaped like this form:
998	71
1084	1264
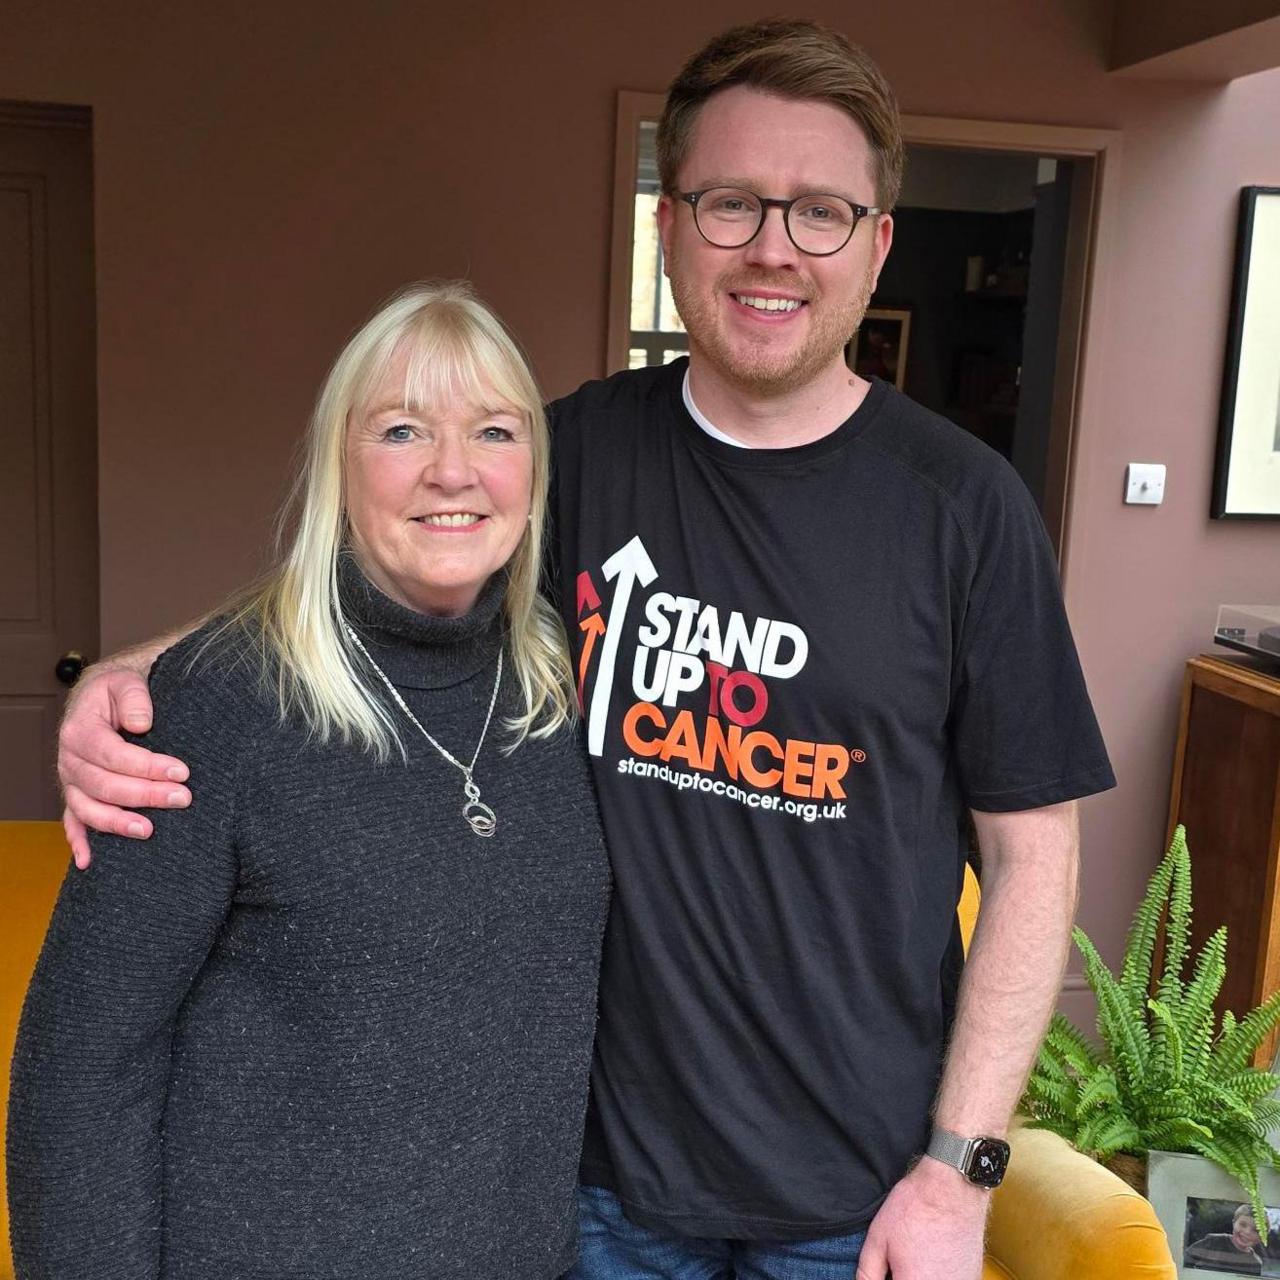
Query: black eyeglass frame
860	211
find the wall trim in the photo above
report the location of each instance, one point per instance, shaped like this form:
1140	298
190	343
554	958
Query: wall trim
1007	135
46	115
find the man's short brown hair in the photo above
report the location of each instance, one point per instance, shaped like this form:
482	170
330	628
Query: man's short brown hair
794	59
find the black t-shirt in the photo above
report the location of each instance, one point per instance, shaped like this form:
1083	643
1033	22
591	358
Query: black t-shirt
799	667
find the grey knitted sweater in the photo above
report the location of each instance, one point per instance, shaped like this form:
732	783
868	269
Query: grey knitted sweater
315	1028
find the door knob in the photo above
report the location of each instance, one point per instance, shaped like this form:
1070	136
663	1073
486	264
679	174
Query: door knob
69	667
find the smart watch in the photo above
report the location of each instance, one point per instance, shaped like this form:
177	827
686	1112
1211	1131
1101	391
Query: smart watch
982	1160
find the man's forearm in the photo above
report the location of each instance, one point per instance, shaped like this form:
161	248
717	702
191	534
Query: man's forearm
1014	971
140	658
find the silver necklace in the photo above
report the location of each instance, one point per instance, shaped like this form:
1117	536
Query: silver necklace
480	818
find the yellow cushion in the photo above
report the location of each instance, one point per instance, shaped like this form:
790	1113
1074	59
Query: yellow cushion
970	899
33	859
1061	1216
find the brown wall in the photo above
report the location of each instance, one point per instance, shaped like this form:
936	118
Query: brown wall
1186	35
262	179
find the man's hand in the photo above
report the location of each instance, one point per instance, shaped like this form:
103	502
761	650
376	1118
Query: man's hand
930	1227
99	771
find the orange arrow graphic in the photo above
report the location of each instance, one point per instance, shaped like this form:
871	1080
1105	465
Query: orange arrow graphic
593	626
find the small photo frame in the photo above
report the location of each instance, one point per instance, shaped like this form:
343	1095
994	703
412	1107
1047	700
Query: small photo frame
1208	1222
1246	479
879	348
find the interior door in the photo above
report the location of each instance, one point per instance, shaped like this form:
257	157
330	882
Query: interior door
48	438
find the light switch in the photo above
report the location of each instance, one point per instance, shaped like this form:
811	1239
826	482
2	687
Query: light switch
1144	483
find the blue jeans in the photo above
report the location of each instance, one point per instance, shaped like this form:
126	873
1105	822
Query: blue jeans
614	1248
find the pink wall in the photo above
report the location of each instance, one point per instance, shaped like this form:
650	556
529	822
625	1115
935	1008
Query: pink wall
263	179
1144	583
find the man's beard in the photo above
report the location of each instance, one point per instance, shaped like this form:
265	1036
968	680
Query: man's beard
761	368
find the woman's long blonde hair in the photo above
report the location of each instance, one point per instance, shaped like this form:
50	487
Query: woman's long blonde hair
457	348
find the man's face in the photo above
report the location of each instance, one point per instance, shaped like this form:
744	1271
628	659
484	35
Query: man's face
1244	1234
778	148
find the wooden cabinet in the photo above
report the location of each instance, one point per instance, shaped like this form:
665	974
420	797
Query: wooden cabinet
1226	792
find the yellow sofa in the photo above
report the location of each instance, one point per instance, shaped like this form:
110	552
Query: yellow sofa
1058	1216
33	860
1061	1216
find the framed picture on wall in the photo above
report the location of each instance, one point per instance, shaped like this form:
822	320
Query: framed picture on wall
879	348
1246	481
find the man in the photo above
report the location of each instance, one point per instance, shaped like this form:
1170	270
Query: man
814	624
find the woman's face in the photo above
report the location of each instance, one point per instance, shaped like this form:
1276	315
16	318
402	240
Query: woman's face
438	499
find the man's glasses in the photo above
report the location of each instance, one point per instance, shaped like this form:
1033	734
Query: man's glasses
729	217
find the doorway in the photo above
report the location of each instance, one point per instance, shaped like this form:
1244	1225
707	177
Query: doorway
1010	365
48	439
970	304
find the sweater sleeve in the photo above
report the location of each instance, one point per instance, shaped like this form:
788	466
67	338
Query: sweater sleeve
127	939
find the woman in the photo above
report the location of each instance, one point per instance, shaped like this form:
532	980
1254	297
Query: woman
335	1019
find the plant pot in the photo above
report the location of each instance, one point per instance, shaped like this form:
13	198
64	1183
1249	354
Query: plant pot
1130	1168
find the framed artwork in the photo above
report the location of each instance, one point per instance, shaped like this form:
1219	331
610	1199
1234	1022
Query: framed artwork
1210	1227
1246	481
879	348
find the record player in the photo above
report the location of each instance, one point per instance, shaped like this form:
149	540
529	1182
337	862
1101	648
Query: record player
1250	628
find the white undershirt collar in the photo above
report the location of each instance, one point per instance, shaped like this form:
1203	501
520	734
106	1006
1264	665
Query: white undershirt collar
703	421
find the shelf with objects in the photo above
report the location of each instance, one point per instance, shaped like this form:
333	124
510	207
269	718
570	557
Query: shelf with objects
1226	792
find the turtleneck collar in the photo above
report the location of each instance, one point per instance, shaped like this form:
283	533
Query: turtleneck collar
417	650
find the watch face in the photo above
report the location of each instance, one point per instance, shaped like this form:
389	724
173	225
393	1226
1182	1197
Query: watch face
988	1161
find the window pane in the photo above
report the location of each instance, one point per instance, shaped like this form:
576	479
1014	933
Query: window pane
645	272
652	307
671	322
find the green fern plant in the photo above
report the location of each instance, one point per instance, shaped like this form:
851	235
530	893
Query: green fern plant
1164	1078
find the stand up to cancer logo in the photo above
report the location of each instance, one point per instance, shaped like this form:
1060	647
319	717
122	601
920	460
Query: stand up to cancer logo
701	680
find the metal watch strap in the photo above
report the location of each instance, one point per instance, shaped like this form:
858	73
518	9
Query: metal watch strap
950	1148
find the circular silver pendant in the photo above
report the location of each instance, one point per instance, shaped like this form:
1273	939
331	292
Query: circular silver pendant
480	818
